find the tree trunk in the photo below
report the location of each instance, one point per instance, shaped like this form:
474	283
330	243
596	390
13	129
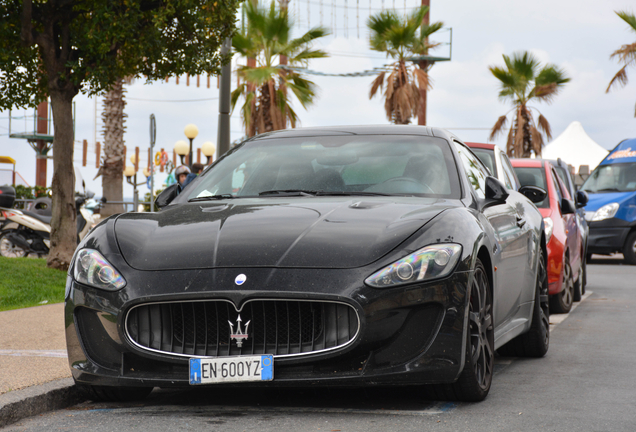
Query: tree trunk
113	164
64	220
527	135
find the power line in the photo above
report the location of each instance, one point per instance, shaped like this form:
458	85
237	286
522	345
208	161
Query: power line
172	100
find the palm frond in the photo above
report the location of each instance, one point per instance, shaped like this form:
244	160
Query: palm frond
544	125
630	19
422	78
510	151
537	141
620	79
498	127
377	83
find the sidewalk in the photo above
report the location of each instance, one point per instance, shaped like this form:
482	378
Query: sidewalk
32	347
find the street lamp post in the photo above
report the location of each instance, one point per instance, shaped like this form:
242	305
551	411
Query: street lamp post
208	150
191	132
181	148
131	177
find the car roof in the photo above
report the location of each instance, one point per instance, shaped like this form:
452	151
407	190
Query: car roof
359	130
481	145
527	163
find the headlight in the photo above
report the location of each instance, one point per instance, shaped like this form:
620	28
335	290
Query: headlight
549	226
605	212
91	268
431	262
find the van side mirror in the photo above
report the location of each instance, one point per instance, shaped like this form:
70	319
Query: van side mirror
167	196
567	206
581	198
533	193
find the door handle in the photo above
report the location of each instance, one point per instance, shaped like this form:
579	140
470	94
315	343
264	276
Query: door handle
520	221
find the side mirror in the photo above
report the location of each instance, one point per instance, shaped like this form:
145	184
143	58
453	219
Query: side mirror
496	192
533	193
567	206
581	199
168	194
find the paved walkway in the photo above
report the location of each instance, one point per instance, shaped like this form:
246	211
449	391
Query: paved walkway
32	347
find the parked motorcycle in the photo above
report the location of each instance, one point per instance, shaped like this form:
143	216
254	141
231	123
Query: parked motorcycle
26	232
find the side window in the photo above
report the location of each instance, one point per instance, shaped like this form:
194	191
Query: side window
509	173
557	186
475	171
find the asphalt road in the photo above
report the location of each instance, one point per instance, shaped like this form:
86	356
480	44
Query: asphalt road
585	383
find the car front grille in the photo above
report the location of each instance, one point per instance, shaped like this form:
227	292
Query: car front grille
278	327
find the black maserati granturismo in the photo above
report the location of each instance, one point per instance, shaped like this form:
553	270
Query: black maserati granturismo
340	256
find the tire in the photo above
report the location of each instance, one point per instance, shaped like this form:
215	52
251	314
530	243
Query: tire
113	394
562	302
578	286
536	341
8	249
474	382
629	250
584	278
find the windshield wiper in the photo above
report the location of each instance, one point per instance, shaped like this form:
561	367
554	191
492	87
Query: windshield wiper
608	190
361	193
212	197
289	192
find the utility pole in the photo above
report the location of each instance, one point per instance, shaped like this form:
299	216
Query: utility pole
423	64
223	136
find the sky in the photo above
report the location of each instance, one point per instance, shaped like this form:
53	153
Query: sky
578	36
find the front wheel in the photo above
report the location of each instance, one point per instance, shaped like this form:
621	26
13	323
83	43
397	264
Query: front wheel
8	249
629	250
562	302
474	382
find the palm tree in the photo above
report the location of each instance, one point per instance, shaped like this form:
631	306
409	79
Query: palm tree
266	38
626	54
112	167
523	80
401	38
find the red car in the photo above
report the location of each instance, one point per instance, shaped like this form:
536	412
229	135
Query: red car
565	247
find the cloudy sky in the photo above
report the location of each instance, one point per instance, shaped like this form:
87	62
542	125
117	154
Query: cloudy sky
578	36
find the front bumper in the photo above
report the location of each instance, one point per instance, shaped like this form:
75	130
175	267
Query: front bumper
607	236
407	335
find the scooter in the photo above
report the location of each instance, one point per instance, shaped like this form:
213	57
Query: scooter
25	232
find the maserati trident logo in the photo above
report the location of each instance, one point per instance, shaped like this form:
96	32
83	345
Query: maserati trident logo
239	336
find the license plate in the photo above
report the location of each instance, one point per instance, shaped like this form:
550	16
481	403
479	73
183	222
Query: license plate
231	369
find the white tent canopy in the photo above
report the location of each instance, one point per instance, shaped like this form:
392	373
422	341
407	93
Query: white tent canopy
575	147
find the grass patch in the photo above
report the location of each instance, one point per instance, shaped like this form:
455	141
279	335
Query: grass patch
26	282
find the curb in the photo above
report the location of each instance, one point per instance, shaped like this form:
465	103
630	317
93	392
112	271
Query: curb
34	400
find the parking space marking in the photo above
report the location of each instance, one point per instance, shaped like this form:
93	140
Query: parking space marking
34	353
557	319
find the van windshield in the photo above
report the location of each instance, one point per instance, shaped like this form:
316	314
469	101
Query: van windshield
612	178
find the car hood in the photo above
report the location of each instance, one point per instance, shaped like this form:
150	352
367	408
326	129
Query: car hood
299	232
598	200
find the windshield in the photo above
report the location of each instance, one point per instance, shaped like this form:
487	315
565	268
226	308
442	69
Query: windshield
534	177
612	178
487	157
337	165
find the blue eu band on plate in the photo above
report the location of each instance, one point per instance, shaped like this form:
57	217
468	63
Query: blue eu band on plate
231	369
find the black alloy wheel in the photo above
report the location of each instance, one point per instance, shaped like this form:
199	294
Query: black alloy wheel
474	382
562	302
629	250
536	341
